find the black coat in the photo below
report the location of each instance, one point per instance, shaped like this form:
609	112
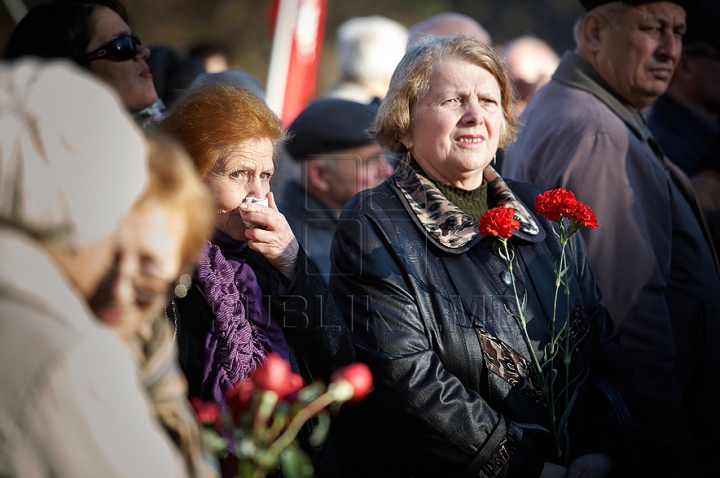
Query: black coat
427	300
317	339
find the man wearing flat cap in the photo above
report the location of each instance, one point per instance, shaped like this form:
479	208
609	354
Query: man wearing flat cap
339	158
651	253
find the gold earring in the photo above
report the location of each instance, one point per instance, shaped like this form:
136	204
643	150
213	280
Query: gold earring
494	158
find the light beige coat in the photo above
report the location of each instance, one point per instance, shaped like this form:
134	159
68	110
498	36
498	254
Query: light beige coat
70	403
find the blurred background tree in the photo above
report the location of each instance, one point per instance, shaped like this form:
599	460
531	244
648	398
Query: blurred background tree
244	25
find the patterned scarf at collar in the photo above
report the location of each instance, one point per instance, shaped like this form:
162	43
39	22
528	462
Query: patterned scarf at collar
149	117
444	221
238	341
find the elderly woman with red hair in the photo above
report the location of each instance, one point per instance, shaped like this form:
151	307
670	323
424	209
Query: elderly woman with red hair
256	292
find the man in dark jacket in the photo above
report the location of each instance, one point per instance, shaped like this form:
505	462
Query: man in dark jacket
686	119
338	159
651	255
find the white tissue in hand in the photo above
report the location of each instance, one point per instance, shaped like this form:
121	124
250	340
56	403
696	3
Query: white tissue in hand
262	201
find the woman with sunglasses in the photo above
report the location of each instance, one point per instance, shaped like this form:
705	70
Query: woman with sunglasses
94	34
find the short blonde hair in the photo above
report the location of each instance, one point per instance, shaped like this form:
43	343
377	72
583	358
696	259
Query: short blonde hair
174	183
411	81
214	118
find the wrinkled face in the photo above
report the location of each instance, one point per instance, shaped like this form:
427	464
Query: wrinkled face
147	261
131	78
354	170
637	59
456	126
244	171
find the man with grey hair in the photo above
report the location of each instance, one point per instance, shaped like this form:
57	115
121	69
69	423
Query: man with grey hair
368	50
657	270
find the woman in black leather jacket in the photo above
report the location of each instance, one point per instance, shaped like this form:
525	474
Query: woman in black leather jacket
430	301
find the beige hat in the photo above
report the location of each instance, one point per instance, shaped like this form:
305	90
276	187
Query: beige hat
71	159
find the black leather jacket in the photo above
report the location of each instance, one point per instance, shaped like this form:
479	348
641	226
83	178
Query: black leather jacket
427	300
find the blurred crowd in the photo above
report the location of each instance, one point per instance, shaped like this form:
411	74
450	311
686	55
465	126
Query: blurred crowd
162	232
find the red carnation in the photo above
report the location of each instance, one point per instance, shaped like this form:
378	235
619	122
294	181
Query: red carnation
554	203
207	413
359	376
585	216
558	203
239	398
275	375
499	221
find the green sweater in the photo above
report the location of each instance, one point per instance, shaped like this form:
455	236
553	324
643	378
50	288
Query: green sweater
473	203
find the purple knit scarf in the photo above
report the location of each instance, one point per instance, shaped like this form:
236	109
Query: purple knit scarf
238	341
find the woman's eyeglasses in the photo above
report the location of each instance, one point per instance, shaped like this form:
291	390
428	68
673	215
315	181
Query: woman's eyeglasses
122	48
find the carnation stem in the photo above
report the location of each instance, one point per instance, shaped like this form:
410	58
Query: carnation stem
306	413
547	392
561	280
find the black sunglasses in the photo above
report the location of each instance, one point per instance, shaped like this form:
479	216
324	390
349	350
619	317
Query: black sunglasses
122	48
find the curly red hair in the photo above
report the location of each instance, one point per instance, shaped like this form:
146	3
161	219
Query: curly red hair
214	118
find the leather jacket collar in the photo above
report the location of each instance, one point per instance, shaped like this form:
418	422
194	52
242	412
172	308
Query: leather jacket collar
447	225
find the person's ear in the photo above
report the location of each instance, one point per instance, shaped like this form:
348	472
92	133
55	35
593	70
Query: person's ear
684	70
317	175
407	140
591	31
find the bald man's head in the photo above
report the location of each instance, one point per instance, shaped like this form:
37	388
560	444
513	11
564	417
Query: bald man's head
448	23
531	63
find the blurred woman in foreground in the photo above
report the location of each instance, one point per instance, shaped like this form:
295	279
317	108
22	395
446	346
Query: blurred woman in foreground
159	243
71	165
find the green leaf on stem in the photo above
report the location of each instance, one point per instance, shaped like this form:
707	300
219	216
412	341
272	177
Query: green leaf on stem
310	393
568	409
319	434
278	425
532	426
552	375
296	464
212	440
268	400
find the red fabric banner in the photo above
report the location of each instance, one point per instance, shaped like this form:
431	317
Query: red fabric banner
292	81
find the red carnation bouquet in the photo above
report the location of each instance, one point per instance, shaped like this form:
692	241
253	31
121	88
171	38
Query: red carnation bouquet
269	410
568	214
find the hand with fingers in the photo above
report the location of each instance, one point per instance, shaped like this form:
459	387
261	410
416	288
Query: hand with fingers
271	236
592	465
551	470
